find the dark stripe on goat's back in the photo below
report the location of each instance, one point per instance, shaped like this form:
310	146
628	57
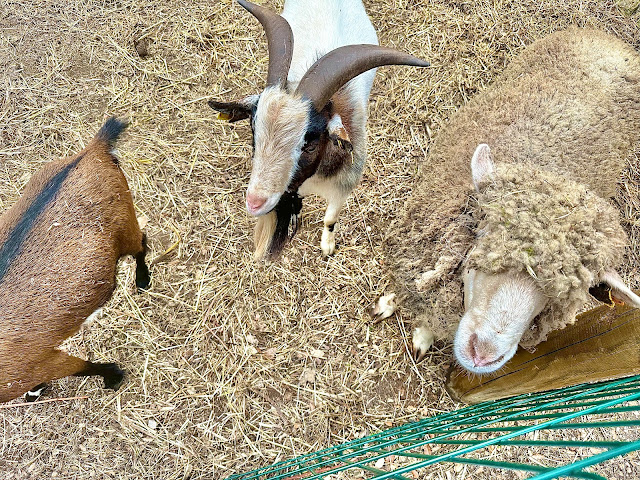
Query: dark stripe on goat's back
10	249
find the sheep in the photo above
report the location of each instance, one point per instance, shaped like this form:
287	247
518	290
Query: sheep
59	247
309	123
527	224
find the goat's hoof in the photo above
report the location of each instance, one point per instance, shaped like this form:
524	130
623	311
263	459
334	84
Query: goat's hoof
327	252
36	392
143	278
328	243
113	376
384	307
421	343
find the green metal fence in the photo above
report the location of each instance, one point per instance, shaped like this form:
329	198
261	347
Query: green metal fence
474	435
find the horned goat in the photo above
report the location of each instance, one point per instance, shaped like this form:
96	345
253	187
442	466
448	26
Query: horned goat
526	226
59	246
309	123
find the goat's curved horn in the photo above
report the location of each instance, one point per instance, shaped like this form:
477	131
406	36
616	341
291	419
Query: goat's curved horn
337	67
279	38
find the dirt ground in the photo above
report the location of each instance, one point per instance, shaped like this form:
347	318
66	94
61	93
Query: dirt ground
234	364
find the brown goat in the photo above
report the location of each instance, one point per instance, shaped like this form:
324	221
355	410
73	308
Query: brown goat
59	247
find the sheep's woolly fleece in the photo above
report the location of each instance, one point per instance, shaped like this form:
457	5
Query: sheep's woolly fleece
529	115
564	236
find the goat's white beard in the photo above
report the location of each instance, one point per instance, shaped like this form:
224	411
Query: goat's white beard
263	233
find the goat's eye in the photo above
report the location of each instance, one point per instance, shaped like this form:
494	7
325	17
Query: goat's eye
309	148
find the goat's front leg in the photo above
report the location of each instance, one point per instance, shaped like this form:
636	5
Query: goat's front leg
334	207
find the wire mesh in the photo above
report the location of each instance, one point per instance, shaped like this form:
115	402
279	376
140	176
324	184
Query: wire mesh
472	435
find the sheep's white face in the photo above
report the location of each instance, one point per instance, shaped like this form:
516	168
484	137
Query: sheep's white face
279	127
498	307
498	311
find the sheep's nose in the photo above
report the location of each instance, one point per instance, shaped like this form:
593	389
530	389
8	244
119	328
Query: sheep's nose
479	361
480	358
255	202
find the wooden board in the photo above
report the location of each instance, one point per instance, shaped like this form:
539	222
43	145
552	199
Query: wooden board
603	344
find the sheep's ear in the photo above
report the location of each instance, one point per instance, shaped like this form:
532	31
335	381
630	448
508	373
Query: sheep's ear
617	292
234	111
482	168
338	134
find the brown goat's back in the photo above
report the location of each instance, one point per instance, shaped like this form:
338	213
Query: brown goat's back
59	247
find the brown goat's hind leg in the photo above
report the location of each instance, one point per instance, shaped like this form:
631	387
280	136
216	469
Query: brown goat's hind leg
36	392
63	365
142	271
110	372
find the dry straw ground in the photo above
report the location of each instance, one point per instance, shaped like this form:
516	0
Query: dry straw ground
233	365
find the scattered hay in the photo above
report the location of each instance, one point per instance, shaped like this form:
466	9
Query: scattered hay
234	364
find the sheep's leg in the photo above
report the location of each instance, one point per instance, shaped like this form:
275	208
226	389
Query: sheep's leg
384	307
142	270
328	242
422	341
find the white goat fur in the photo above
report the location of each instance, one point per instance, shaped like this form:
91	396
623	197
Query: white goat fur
318	28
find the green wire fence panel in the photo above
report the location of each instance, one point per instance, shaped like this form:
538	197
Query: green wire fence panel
574	428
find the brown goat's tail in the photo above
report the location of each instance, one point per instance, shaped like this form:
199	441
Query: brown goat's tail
110	131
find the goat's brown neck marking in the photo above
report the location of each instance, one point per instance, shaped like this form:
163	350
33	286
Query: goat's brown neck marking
13	244
334	157
327	160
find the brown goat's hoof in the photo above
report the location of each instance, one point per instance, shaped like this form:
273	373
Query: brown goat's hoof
36	392
113	376
143	278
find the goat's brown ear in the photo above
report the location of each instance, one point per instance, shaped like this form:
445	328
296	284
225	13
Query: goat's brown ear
338	134
234	111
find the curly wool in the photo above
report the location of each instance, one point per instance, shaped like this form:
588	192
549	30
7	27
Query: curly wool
563	235
569	104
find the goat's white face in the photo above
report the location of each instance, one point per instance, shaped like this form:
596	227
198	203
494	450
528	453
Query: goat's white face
498	311
279	127
289	137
